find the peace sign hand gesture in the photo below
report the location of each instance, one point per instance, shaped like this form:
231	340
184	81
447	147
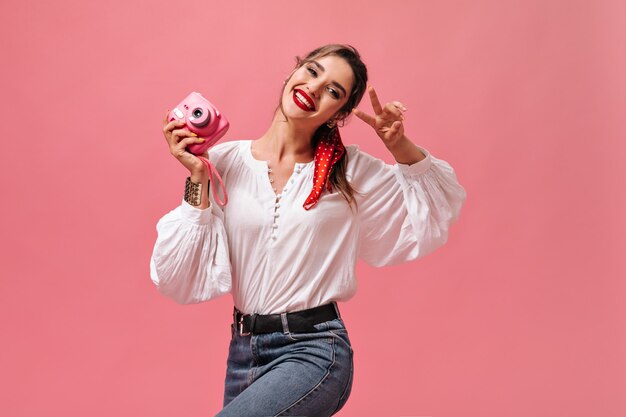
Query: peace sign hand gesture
387	121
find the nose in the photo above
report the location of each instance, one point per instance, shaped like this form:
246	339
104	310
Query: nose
313	88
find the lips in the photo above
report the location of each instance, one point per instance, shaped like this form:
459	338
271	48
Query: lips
303	100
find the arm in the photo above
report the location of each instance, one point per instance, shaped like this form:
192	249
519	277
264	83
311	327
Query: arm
190	261
405	211
411	205
406	152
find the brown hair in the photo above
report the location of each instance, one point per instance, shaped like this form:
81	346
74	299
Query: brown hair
349	53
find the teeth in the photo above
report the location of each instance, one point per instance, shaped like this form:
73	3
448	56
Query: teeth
304	100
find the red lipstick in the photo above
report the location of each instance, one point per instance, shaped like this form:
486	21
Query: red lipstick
305	102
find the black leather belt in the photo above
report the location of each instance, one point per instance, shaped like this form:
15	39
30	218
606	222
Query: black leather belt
298	321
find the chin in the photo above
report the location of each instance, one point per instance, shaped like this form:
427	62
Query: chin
294	113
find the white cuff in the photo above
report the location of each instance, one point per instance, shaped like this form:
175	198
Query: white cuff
195	215
418	167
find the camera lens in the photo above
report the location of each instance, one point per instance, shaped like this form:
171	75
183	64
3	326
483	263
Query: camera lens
200	117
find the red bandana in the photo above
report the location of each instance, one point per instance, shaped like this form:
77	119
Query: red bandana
329	150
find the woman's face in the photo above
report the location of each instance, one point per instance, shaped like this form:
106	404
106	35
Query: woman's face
317	90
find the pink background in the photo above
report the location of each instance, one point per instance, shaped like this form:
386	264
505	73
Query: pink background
522	313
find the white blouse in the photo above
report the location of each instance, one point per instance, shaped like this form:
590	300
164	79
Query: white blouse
276	256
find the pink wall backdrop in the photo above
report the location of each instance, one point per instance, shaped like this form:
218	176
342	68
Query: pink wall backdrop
522	313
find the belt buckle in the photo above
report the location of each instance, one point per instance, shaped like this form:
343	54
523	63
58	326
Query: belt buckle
240	322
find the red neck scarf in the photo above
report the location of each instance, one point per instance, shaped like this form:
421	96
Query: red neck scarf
328	151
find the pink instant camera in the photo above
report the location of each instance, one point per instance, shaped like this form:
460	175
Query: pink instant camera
202	118
205	120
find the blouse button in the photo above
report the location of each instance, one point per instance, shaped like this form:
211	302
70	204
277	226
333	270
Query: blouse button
291	180
277	205
273	236
276	214
269	170
274	226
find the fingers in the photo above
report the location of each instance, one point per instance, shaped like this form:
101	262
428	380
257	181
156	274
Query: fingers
399	105
166	119
174	130
395	107
179	134
395	127
392	109
365	117
171	125
374	99
389	109
179	149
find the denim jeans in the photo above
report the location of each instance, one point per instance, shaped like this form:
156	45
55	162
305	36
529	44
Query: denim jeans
289	374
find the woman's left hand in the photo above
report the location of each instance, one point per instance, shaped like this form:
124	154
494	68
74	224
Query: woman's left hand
387	121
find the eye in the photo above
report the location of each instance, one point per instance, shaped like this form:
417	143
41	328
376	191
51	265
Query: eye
312	71
333	93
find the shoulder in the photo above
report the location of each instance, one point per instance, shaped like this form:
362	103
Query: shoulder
358	156
224	148
360	161
224	154
352	149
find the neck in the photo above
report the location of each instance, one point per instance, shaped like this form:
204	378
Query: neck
286	140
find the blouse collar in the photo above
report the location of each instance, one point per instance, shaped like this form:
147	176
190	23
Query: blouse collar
246	151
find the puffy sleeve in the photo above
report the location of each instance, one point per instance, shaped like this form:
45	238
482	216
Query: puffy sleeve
190	261
404	211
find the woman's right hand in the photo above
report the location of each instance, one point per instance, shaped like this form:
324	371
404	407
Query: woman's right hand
178	139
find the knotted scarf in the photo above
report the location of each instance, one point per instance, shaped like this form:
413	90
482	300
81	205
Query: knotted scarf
328	151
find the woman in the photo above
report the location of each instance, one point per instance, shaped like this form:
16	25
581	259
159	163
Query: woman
302	208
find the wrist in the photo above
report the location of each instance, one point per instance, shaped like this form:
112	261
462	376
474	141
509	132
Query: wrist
396	145
405	152
193	192
199	178
196	193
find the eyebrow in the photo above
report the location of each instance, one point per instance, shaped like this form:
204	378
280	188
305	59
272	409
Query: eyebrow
335	83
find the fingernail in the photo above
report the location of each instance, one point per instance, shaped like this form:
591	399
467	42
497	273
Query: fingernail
201	139
193	134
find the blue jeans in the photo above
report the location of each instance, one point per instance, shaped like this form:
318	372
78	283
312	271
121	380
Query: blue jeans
289	374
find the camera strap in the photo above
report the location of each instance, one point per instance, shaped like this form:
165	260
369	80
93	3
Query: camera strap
212	171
